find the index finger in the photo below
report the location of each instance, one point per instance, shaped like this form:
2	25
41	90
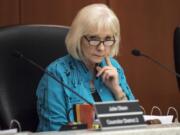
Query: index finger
108	61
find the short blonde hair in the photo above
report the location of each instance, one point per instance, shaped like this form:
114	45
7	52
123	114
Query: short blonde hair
92	16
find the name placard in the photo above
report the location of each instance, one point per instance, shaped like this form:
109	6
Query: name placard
117	107
119	114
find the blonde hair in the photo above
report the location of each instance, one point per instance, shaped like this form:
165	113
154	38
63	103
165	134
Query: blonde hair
92	16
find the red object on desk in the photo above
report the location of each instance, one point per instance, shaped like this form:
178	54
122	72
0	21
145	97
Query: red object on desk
85	113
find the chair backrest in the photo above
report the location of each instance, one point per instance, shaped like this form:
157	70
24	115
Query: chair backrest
177	52
18	79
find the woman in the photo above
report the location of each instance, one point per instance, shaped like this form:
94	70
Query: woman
89	68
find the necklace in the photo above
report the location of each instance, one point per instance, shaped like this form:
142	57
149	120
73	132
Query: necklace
94	92
92	87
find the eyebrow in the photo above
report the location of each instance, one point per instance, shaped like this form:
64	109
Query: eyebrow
96	36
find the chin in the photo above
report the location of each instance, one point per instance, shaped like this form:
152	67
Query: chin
97	60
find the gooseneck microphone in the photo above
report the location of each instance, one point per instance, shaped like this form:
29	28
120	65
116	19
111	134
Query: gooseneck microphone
19	55
137	53
69	126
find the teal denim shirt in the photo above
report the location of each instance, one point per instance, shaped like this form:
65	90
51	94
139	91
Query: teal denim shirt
55	102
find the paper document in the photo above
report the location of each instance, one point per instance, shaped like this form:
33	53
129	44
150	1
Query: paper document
8	131
164	119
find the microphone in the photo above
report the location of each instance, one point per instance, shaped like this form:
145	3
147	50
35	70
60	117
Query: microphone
19	55
138	53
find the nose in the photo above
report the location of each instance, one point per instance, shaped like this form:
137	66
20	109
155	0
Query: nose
101	47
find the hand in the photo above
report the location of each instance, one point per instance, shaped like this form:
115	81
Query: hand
109	76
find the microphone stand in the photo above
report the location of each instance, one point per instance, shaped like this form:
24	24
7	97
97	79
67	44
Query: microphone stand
70	126
21	56
136	52
161	65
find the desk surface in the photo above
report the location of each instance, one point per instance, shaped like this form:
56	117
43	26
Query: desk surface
171	129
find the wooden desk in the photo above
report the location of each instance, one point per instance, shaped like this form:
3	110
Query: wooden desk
172	129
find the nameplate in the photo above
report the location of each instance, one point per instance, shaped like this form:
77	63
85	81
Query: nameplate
117	107
119	114
123	120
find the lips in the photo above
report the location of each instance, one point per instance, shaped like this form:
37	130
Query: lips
99	55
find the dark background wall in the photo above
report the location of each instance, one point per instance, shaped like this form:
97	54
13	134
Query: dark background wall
145	24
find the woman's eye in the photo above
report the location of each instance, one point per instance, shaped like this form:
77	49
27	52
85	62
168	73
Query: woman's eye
94	38
108	38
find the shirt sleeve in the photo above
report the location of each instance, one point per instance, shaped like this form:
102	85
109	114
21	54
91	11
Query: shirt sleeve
51	105
122	80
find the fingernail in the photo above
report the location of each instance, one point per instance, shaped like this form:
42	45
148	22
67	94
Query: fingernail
98	74
98	68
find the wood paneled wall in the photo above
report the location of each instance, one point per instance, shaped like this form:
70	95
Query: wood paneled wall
52	11
9	12
149	26
145	24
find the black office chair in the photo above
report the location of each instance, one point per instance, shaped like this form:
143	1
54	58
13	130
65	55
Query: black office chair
177	52
18	79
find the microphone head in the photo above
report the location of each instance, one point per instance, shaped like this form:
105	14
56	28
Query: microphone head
17	54
136	52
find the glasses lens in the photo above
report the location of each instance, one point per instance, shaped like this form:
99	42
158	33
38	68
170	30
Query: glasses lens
108	42
94	42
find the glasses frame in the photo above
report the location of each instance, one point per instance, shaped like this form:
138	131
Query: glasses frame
100	41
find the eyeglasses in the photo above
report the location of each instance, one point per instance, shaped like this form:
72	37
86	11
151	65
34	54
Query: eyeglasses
95	41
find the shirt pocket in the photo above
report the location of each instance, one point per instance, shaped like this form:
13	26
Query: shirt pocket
83	90
74	99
